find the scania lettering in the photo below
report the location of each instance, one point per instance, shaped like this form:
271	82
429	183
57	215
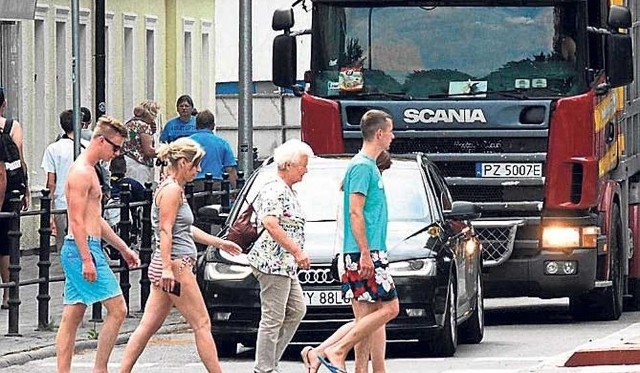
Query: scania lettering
442	115
529	108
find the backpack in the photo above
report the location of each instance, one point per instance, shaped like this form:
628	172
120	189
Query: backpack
16	179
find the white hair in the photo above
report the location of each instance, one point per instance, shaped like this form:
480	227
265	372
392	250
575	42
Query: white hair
290	152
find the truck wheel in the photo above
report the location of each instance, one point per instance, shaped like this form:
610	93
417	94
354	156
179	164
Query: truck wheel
446	340
472	330
613	295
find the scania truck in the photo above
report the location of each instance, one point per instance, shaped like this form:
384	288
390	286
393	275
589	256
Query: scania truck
530	109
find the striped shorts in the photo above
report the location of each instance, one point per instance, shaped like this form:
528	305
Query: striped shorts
155	267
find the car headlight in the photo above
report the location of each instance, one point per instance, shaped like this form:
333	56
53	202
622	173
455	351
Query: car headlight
214	271
415	267
568	237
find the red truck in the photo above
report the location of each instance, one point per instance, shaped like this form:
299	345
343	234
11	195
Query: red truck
529	108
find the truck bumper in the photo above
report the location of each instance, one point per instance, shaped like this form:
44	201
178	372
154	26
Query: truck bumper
526	276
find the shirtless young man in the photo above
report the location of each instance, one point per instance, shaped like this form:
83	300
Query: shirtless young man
88	276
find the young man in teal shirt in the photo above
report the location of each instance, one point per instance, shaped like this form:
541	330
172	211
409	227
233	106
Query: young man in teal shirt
366	281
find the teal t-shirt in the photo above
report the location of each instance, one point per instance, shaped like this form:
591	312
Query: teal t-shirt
362	176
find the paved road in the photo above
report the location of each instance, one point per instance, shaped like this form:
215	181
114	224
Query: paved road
523	335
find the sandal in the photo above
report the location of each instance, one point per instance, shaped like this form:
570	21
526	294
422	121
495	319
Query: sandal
304	354
4	307
332	368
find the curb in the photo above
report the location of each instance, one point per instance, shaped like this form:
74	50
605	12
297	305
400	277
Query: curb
47	351
605	356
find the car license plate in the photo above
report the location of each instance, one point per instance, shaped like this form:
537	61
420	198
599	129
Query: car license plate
323	298
509	169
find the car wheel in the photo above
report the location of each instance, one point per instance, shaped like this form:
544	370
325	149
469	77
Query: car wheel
446	341
226	347
472	330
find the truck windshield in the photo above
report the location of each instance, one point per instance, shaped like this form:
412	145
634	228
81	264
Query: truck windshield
442	52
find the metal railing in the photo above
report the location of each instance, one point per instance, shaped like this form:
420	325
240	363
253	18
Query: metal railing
124	231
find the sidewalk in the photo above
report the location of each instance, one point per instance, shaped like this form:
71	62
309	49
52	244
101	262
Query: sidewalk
33	344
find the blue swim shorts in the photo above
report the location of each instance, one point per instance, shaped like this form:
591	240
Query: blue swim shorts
76	288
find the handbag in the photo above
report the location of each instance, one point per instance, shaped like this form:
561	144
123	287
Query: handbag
244	231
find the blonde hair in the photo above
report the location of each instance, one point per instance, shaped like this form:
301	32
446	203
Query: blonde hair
109	126
147	108
290	152
182	148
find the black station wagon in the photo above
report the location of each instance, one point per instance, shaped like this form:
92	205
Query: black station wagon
435	260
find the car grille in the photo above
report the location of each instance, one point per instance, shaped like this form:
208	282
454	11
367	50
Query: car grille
497	243
316	276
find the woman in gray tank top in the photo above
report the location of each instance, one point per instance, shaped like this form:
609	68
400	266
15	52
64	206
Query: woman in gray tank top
172	262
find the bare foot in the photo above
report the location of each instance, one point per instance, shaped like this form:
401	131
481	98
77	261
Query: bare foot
314	362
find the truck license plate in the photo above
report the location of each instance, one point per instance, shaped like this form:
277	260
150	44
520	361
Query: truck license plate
323	298
509	169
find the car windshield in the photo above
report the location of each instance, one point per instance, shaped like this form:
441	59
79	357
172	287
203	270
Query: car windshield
447	51
319	192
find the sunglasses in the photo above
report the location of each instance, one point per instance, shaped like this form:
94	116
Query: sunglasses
116	148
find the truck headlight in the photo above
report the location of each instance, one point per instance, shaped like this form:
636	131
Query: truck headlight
569	237
416	267
214	271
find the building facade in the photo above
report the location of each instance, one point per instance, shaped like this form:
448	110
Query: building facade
154	49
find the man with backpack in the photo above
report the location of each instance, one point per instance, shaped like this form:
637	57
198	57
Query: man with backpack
56	161
16	179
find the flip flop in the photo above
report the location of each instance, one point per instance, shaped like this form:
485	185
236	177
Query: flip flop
332	368
304	354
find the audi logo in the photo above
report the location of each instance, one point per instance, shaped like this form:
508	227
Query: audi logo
316	276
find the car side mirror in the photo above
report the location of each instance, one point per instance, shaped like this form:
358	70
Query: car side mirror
462	210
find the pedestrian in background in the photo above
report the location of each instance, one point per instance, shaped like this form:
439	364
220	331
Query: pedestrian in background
16	136
56	161
88	277
363	351
278	253
366	282
218	157
85	117
171	266
184	124
139	148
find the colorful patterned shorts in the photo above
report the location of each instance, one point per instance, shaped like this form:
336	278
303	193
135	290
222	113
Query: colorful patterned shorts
379	287
155	267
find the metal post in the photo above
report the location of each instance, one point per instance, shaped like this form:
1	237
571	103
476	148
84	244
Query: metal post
75	74
100	57
225	198
14	266
145	246
188	191
44	263
124	228
245	102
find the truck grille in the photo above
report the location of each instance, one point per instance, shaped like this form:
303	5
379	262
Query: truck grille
482	145
495	193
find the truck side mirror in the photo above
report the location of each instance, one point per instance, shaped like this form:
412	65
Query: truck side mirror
284	63
619	17
619	59
282	20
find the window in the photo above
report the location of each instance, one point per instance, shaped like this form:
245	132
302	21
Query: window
205	75
127	78
61	66
187	62
150	66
